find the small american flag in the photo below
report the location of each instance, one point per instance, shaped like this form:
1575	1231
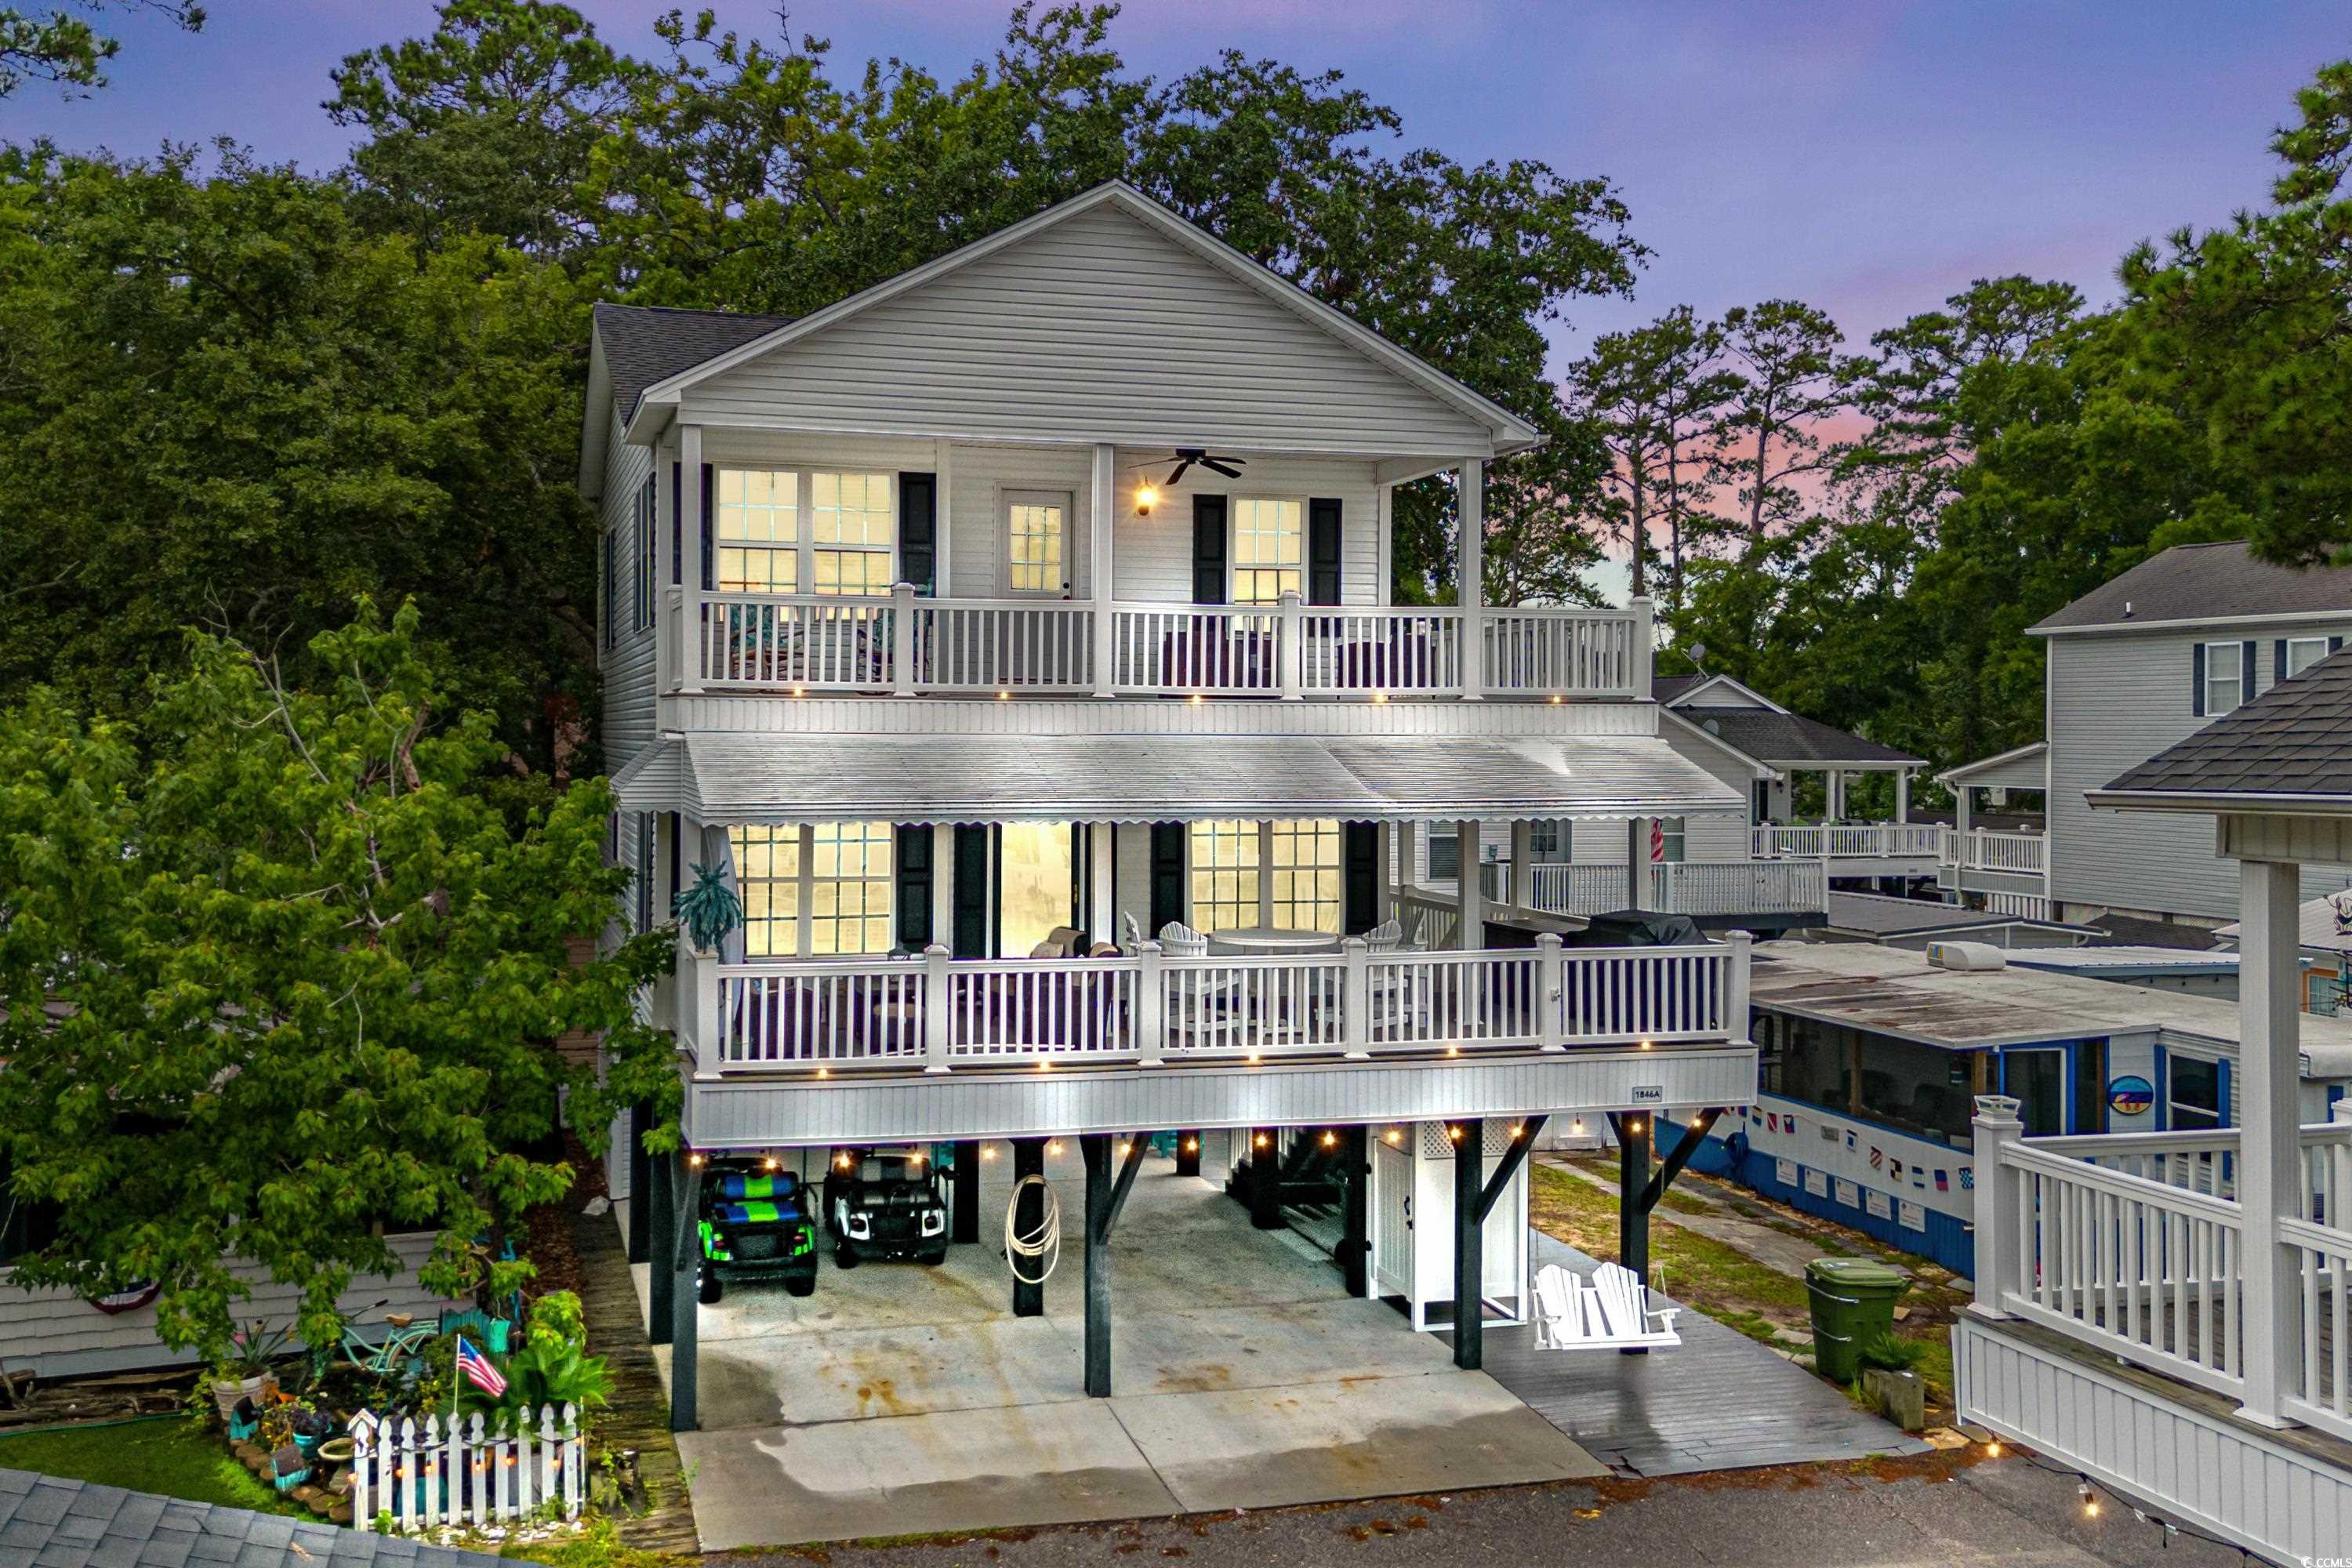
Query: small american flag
478	1369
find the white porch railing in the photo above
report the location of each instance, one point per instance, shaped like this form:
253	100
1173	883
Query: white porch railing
2134	1243
909	646
1985	849
934	1014
1675	887
468	1472
1846	840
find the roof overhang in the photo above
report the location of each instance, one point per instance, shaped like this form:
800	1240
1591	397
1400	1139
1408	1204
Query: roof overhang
1761	770
2220	803
1967	770
725	776
2279	619
1511	434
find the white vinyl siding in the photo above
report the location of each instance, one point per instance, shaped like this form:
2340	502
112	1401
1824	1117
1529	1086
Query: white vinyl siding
1097	327
628	656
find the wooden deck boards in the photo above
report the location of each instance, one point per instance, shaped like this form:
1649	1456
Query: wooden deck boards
1717	1401
640	1417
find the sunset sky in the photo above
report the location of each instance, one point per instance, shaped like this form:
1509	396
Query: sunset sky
1870	158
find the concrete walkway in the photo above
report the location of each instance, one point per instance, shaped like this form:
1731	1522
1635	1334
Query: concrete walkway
904	1400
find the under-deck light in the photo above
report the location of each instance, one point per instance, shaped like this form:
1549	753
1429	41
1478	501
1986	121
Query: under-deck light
1261	1140
1192	1145
771	1162
824	1072
800	691
1005	697
1380	697
1054	1147
1555	698
988	1151
841	1162
1330	1139
1198	698
1645	1044
1395	1136
1455	1133
694	1162
1518	1128
1253	1058
1123	1149
1577	1127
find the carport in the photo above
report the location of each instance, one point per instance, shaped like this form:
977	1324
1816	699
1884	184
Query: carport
1246	1373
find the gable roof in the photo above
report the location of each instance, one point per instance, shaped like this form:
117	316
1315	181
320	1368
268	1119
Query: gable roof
1687	690
2027	756
58	1523
2290	749
1669	688
2199	583
644	344
1778	739
1512	434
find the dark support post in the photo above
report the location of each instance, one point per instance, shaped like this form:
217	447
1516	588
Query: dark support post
964	1193
1687	1145
1355	1248
1188	1152
1028	1160
684	1300
1265	1178
1633	1132
1093	1148
640	1184
1469	1256
661	1215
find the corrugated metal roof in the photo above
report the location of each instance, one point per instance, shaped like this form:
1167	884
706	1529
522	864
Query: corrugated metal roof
1895	991
2295	739
729	776
2203	583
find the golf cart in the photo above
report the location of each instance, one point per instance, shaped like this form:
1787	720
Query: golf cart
886	1203
755	1224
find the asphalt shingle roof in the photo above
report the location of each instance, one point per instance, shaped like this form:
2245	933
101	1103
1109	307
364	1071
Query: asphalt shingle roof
1770	737
1667	688
2295	739
646	345
2206	582
49	1522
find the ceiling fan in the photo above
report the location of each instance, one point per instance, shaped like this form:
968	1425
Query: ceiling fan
1188	455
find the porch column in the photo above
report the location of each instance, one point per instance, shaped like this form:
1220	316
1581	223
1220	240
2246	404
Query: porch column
685	1305
1522	892
1102	863
1469	1252
942	523
1028	1215
2270	1154
964	1193
1099	571
1835	795
1634	1134
1902	794
661	1213
1472	901
1094	1151
1470	574
690	495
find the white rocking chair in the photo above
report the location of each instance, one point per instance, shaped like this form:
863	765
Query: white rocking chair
1609	1313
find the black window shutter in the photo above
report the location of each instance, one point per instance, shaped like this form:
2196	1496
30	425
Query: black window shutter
1208	549
1360	892
709	525
914	893
2246	671
611	590
1167	874
1323	550
676	526
972	857
1082	868
2278	661
2197	681
919	531
676	828
2334	645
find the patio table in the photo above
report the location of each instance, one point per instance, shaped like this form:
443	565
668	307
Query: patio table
1270	941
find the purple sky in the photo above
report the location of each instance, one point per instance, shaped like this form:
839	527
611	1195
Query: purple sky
1868	157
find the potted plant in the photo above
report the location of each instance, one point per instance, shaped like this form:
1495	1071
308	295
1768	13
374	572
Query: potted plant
708	909
245	1371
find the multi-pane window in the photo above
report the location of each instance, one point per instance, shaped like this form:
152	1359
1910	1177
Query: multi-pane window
756	531
815	892
1444	852
642	602
2302	653
854	528
1550	840
1268	551
1033	546
768	879
1305	875
1672	836
2224	678
849	888
1225	875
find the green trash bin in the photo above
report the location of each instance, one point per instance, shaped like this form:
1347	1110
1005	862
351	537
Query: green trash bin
1853	1303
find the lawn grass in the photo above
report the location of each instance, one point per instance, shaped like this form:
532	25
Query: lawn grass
1719	1280
162	1454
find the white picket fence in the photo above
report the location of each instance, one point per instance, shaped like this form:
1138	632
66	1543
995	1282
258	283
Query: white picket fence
466	1472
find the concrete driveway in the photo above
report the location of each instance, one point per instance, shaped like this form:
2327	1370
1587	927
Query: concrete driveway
902	1400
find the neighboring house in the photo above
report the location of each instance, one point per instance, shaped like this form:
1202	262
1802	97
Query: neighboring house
1872	1054
2135	665
2167	1313
1915	922
1760	869
2324	928
991	630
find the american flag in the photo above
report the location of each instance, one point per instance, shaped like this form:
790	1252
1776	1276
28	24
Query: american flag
478	1370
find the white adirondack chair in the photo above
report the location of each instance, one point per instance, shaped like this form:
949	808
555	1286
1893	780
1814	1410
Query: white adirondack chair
1206	1008
1612	1311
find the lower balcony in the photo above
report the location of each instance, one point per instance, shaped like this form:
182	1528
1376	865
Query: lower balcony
1700	889
1855	843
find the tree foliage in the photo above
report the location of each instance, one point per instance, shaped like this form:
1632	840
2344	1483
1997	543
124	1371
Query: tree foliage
64	47
274	975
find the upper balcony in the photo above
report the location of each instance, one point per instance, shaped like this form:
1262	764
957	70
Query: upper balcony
904	645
